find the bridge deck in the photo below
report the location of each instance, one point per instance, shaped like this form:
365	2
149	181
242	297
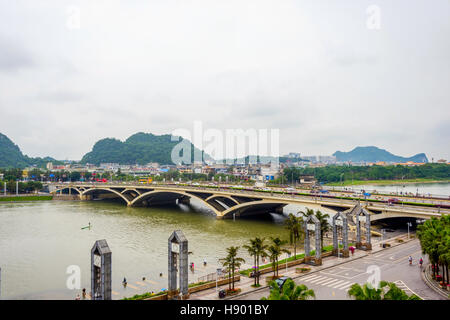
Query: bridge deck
225	201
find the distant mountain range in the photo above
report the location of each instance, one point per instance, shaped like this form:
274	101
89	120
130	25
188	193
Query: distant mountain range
12	157
140	148
374	154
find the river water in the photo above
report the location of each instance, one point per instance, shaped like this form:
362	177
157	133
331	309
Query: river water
40	240
439	189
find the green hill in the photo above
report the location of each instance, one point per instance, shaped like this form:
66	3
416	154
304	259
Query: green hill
10	154
141	148
374	154
12	157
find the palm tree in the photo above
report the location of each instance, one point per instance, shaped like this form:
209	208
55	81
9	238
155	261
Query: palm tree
274	252
395	293
231	262
294	225
324	224
364	292
261	251
289	291
386	291
308	212
323	218
251	248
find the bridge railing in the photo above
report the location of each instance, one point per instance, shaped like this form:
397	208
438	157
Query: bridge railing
288	196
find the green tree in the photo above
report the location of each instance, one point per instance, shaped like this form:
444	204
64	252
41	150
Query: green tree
257	248
294	225
231	262
434	236
324	224
274	252
385	291
251	249
289	291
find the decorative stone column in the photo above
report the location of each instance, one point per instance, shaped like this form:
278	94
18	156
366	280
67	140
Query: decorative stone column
340	221
312	224
178	262
101	275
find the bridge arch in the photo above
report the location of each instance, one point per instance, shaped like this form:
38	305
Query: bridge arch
67	188
149	194
262	205
91	190
388	215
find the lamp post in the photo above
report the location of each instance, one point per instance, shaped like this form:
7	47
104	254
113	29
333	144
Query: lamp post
409	225
218	273
288	255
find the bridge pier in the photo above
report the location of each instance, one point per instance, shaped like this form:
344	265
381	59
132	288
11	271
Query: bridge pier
184	200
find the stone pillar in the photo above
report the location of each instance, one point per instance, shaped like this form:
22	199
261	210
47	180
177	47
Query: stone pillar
101	273
178	262
307	244
340	221
184	200
358	232
314	227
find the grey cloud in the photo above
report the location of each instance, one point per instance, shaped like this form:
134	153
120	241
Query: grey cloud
14	57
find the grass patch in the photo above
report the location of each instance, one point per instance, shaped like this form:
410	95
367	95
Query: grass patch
145	295
281	262
26	198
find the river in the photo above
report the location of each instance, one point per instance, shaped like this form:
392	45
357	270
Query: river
40	240
441	189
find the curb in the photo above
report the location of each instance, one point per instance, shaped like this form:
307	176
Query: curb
318	270
429	283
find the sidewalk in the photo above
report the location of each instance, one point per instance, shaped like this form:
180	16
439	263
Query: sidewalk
245	283
428	279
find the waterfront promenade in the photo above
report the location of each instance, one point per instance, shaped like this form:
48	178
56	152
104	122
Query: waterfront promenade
333	279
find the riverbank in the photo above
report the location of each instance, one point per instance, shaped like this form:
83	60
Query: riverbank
348	183
25	198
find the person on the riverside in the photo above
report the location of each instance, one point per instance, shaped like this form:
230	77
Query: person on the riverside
124	282
204	261
83	293
78	297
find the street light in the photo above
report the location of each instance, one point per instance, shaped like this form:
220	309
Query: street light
218	273
288	255
409	224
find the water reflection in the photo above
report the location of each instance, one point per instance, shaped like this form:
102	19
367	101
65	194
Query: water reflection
39	240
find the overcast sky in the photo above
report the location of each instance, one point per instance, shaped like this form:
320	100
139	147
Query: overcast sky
320	71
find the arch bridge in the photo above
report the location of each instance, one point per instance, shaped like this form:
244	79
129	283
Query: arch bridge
228	202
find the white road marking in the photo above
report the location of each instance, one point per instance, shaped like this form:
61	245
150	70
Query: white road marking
321	282
335	285
347	286
342	285
313	278
404	287
328	282
309	277
317	279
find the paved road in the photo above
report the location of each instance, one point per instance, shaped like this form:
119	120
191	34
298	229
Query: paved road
333	283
